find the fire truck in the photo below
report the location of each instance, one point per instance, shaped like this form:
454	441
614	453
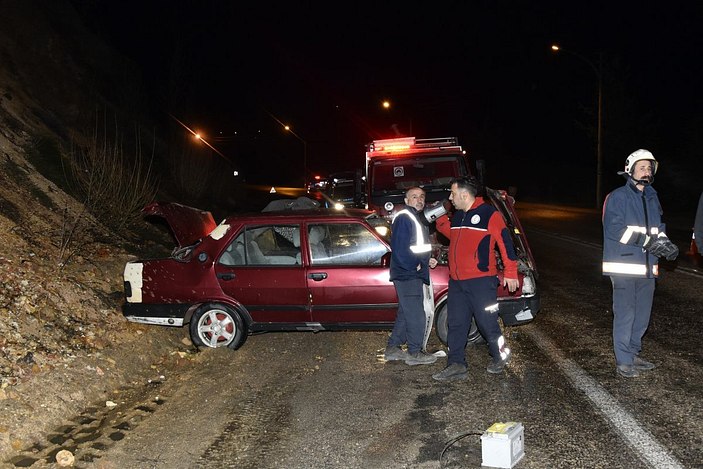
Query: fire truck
395	165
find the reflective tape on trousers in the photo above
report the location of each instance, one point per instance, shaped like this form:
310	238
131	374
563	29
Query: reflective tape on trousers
627	269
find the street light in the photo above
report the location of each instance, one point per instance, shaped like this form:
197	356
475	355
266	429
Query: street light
386	104
599	133
305	155
287	128
198	136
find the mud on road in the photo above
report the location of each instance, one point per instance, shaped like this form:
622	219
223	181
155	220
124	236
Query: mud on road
289	400
282	400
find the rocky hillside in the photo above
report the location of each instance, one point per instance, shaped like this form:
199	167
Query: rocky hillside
63	341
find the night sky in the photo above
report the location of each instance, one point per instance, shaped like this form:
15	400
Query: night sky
480	71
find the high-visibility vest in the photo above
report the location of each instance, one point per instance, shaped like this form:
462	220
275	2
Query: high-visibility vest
421	245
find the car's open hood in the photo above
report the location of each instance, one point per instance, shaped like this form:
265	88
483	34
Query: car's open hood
188	224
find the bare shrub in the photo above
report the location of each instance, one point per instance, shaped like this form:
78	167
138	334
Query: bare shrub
69	239
112	184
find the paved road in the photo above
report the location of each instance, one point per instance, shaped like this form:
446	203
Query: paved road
325	400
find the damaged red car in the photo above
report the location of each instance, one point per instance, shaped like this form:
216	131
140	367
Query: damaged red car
309	269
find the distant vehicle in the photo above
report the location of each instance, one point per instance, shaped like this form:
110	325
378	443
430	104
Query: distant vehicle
343	190
294	270
395	165
317	183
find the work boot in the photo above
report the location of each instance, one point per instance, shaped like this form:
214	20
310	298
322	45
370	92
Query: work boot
641	364
497	365
395	353
453	372
628	371
420	358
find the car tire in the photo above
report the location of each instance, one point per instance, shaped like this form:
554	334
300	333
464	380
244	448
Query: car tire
217	325
441	329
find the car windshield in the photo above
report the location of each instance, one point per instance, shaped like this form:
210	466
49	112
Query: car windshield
518	238
344	244
397	175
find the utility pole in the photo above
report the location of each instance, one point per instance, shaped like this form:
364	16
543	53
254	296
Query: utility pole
599	131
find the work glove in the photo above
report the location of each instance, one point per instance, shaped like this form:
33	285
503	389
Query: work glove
661	247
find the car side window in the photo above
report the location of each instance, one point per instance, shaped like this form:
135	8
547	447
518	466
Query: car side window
344	244
234	253
264	245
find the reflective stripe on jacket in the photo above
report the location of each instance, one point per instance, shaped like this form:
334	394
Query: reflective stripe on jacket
630	216
410	252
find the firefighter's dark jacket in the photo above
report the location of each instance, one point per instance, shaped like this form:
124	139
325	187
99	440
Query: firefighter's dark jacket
629	216
472	236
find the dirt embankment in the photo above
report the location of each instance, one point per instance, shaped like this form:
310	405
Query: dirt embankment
64	343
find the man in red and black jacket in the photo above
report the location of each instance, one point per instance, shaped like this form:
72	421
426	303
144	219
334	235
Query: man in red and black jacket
473	231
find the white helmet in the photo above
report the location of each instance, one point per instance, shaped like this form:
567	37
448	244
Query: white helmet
637	156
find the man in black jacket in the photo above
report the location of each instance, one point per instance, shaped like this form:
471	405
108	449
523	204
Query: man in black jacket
410	271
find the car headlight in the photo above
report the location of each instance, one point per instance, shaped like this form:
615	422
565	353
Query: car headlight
382	230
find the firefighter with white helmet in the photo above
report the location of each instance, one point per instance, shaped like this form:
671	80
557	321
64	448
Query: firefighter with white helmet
640	155
634	240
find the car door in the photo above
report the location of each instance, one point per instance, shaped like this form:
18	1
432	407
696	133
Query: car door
262	269
346	277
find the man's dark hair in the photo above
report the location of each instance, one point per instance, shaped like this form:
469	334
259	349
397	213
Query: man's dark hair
469	183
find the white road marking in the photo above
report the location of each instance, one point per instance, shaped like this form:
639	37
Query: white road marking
641	441
690	271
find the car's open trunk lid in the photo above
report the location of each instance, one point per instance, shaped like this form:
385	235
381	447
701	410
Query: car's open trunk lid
187	224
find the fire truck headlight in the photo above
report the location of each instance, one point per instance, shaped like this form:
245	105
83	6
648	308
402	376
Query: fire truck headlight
338	206
388	206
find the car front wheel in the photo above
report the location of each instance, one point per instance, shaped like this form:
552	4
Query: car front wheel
216	325
441	328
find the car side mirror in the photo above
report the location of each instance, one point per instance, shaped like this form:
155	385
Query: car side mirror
386	259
